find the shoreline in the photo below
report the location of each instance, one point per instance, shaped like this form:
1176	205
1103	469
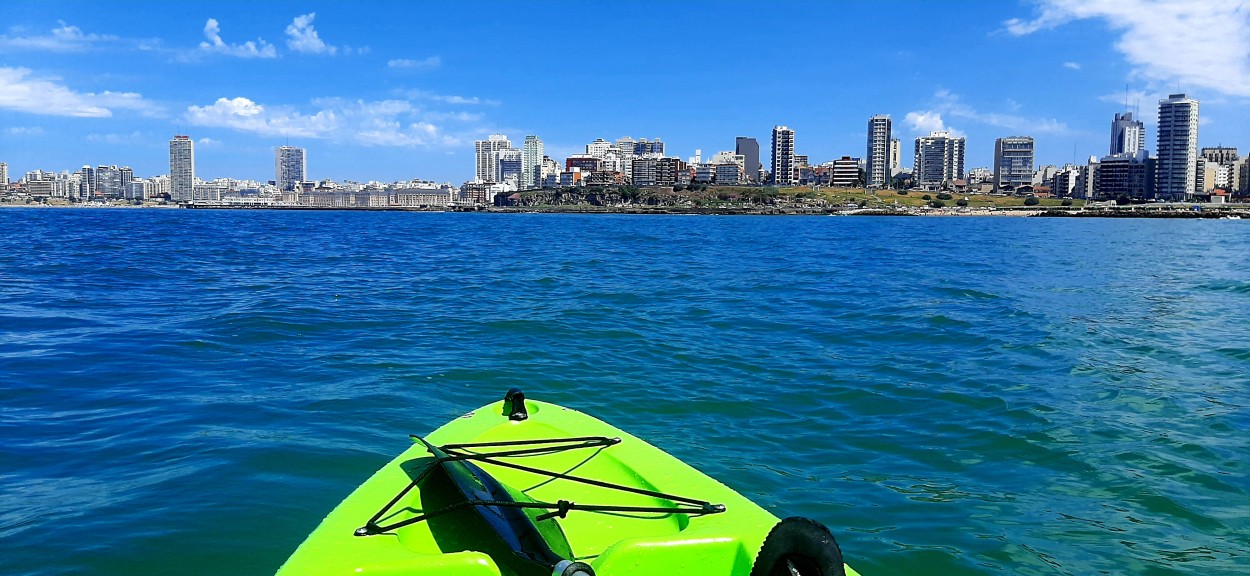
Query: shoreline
1208	212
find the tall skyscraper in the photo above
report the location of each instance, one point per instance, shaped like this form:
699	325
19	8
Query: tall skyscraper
783	167
878	158
1127	135
4	175
532	163
1176	174
182	168
486	154
749	148
86	182
939	159
1013	162
289	167
896	156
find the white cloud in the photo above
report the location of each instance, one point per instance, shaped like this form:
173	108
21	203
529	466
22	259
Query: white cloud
450	99
302	37
249	49
1072	65
952	105
925	122
457	116
47	96
118	139
376	123
207	143
25	130
65	38
1197	44
1133	98
245	115
422	64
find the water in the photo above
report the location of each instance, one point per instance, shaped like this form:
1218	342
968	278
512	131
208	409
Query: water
189	392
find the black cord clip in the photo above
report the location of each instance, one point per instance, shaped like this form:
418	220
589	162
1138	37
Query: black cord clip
562	510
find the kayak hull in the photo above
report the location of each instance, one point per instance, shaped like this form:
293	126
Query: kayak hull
613	543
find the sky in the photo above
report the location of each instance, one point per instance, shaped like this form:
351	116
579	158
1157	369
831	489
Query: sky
398	90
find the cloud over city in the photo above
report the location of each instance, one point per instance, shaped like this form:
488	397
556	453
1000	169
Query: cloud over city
366	123
925	122
1197	44
22	91
947	104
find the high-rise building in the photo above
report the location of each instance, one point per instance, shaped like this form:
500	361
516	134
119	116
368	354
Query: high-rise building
1013	162
1127	135
182	168
86	182
896	157
508	164
1064	181
4	175
486	155
1176	175
939	160
878	158
1122	176
783	166
749	148
108	182
289	167
1222	168
532	163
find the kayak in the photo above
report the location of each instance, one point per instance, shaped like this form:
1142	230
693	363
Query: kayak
528	488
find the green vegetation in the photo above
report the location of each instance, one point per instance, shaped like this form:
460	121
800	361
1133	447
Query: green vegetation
713	197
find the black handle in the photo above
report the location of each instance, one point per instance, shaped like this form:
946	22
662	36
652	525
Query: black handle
515	409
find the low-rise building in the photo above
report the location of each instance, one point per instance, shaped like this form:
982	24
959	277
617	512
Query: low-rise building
845	172
728	174
422	197
659	171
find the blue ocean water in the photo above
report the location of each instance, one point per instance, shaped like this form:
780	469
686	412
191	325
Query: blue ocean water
189	392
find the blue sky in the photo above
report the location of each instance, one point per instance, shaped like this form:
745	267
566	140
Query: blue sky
398	90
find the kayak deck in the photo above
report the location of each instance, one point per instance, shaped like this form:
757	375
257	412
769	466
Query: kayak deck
612	542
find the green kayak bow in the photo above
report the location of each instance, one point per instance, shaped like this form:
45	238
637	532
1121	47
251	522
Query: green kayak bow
528	488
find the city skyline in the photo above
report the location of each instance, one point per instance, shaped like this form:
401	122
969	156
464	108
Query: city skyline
83	83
